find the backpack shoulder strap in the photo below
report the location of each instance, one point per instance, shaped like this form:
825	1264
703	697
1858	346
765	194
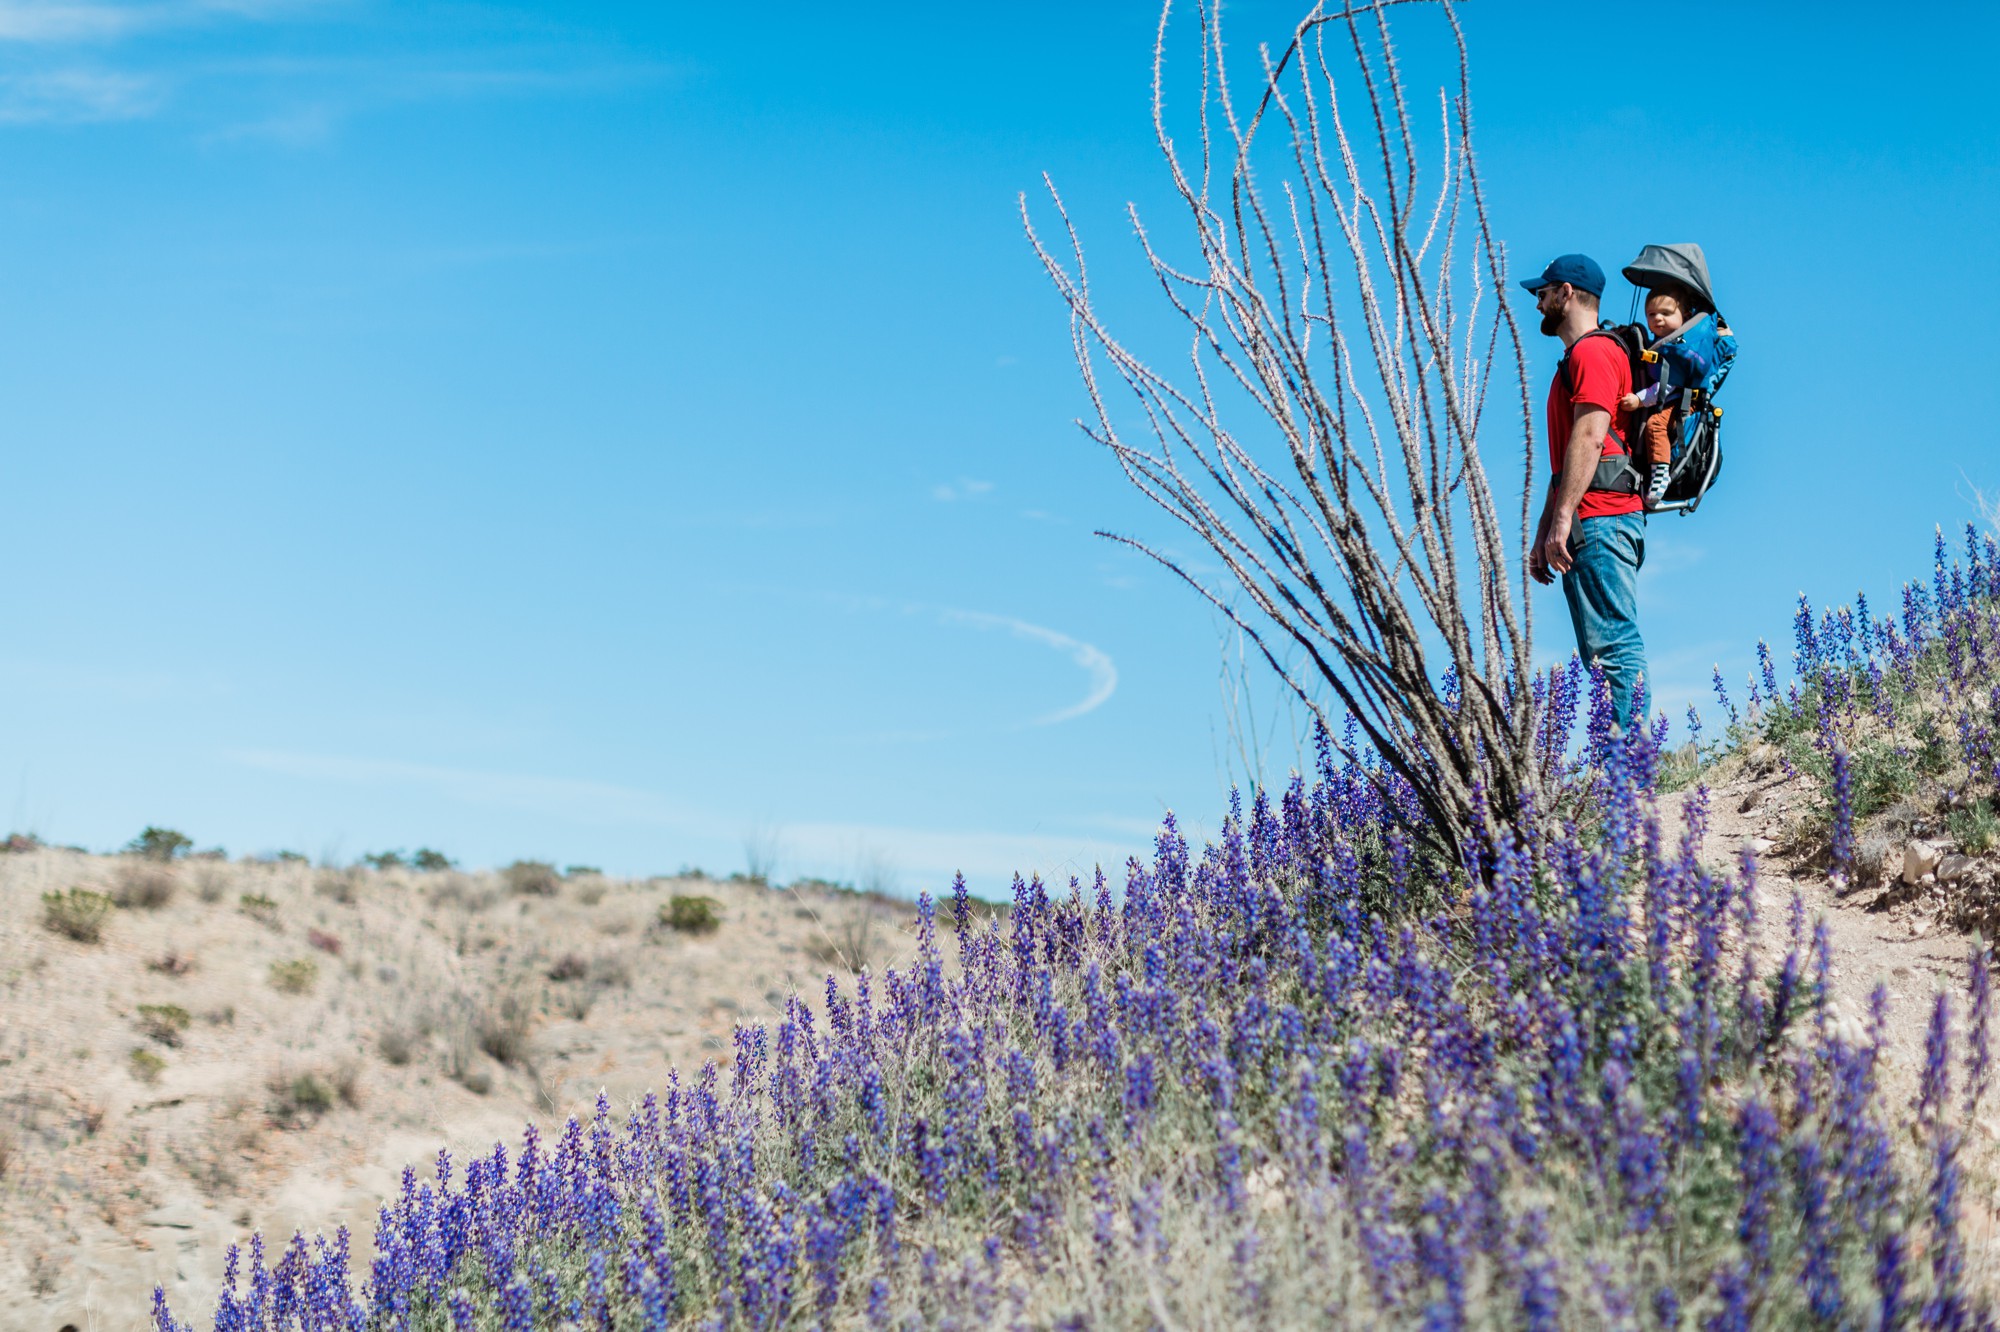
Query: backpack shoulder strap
1615	472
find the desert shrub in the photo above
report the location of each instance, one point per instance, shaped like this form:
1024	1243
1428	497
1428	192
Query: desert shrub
294	977
77	913
342	885
211	883
398	1044
173	962
591	892
144	887
16	843
159	844
581	871
299	1099
691	915
462	891
290	857
850	939
503	1029
145	1065
324	940
1976	828
568	967
165	1023
383	860
428	861
536	878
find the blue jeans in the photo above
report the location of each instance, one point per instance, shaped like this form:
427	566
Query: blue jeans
1603	595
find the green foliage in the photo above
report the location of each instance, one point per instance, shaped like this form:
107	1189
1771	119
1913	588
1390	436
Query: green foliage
383	860
76	914
580	871
691	915
296	976
146	1066
299	1099
159	844
428	861
165	1023
1976	827
259	908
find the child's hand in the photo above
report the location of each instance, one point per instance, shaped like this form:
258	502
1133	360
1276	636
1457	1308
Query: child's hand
1629	403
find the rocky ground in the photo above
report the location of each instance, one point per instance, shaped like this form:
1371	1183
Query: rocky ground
1911	932
265	1046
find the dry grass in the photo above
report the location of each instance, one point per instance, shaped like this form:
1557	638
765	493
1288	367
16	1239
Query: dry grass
144	886
460	1005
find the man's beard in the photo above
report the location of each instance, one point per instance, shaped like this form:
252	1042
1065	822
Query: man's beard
1551	322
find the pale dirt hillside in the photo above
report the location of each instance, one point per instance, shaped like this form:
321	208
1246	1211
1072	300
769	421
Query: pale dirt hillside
441	1009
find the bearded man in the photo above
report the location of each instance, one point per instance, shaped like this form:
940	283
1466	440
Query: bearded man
1593	527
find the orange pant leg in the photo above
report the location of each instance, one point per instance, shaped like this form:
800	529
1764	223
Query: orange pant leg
1656	444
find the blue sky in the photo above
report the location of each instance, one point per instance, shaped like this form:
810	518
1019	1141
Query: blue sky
605	433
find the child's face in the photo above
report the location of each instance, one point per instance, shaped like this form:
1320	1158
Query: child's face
1664	315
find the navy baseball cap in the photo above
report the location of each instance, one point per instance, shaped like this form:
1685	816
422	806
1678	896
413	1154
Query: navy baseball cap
1579	270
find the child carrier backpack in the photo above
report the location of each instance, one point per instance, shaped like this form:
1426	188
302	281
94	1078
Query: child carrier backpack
1692	362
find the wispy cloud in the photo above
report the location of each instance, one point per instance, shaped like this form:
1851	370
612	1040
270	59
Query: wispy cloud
77	96
963	488
1094	662
64	62
64	23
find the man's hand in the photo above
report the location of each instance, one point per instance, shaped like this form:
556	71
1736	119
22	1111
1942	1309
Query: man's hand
1551	554
1629	403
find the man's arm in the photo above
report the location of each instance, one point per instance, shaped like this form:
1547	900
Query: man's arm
1566	490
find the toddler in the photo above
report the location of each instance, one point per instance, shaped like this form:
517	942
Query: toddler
1686	359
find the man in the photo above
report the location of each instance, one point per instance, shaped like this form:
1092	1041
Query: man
1593	528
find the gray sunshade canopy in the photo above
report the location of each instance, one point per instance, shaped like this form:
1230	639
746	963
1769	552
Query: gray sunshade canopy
1682	264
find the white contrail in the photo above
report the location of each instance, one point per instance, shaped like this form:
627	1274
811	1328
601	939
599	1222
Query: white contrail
1094	661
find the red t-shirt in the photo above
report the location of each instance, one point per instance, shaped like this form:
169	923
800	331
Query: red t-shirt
1599	377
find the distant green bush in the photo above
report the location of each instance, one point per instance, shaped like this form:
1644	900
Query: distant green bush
76	914
159	843
146	1066
691	915
165	1023
429	861
294	977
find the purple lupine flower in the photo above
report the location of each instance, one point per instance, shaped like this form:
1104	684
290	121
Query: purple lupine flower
1946	1306
1889	1278
1934	1087
1978	1056
517	1307
1843	820
1757	1157
1722	697
1821	1274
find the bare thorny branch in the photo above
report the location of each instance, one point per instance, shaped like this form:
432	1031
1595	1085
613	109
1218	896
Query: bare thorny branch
1351	325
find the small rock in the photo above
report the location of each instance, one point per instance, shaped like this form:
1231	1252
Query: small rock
1919	858
1920	927
175	1216
1952	868
1761	844
1751	801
